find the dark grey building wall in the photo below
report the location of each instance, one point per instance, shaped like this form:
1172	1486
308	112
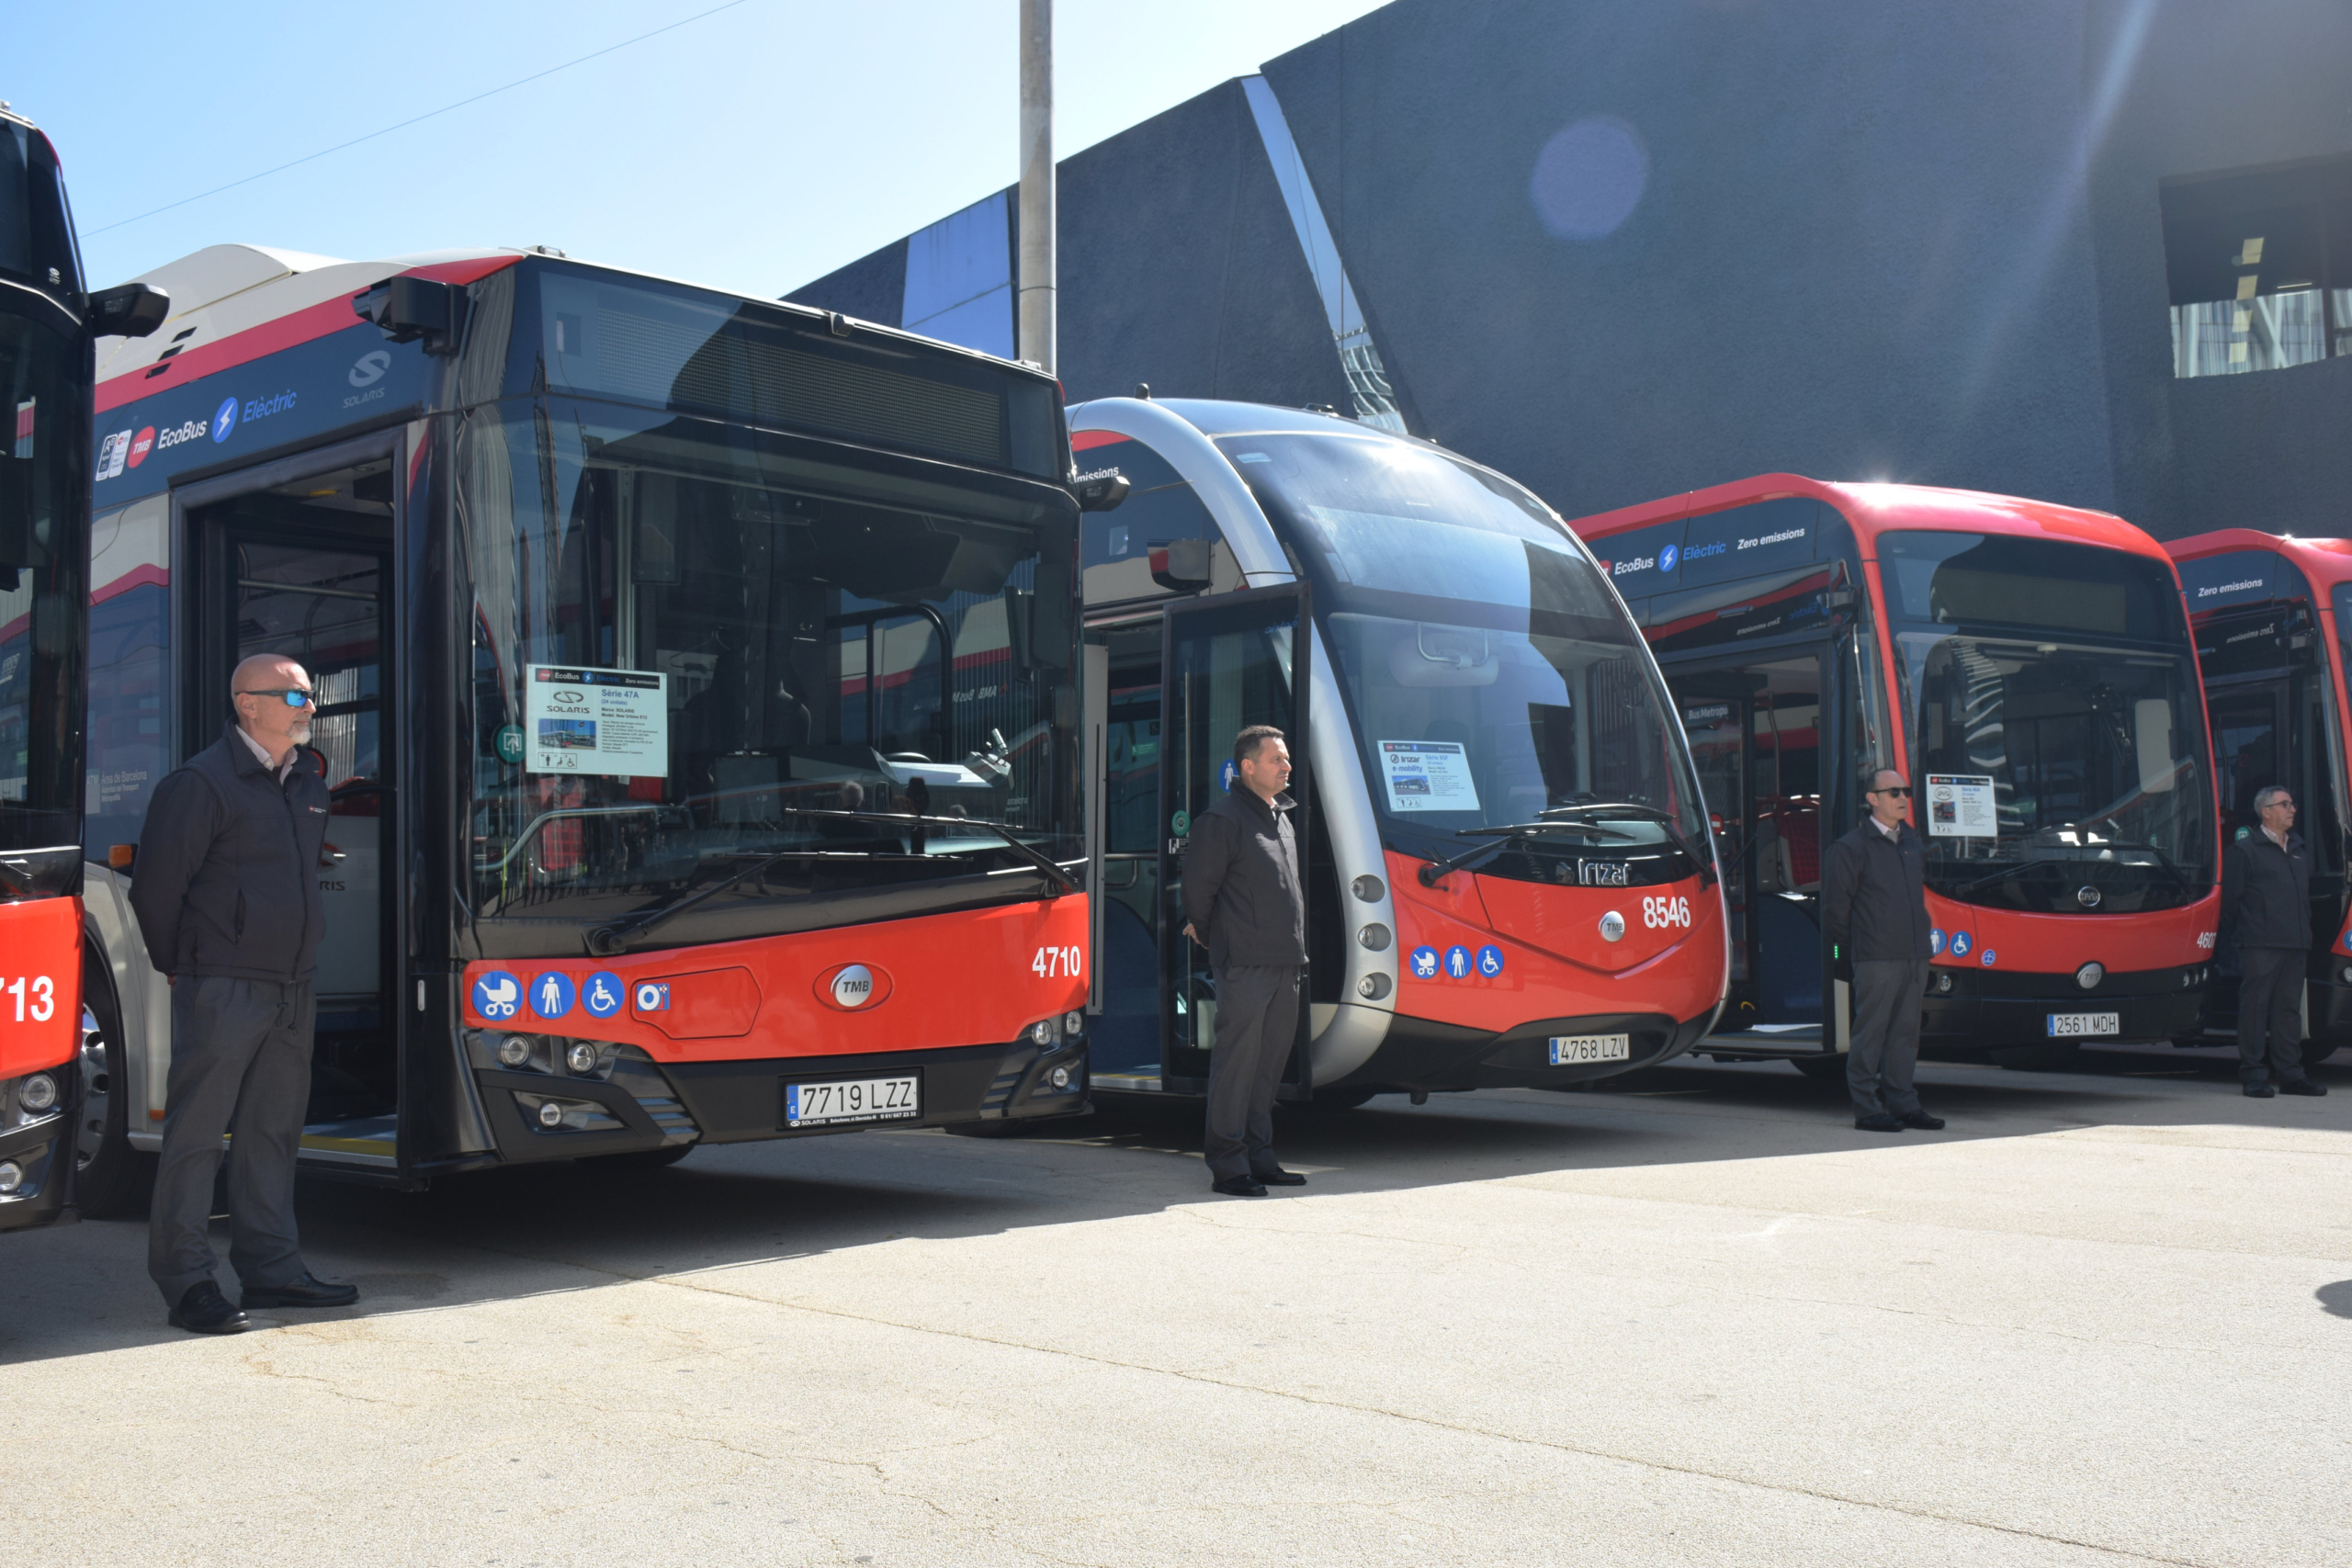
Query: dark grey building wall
1876	239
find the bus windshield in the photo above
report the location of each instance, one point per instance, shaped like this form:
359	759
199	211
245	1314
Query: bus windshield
2057	736
1493	679
36	228
741	681
43	562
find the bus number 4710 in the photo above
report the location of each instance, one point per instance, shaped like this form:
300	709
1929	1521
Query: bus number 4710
1052	962
35	996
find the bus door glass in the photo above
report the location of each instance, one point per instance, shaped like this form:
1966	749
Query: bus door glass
1126	1036
2248	728
304	571
1230	660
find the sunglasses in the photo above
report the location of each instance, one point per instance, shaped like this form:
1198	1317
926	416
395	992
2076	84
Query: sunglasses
295	696
1903	790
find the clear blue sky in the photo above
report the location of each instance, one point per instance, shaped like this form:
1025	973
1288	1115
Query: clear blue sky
755	148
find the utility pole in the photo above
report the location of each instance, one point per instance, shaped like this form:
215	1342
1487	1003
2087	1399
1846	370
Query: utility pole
1034	288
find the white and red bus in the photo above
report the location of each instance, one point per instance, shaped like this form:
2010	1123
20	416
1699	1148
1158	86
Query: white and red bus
697	697
47	323
2028	667
2270	612
1509	877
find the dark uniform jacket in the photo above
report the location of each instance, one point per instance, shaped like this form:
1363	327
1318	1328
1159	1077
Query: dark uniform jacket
1875	894
2267	893
1242	889
227	879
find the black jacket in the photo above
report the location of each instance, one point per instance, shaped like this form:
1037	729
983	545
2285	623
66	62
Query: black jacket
227	878
1875	894
2267	893
1242	889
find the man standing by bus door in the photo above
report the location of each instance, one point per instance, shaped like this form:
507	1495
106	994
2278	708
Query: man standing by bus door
2266	916
226	889
1874	910
1244	902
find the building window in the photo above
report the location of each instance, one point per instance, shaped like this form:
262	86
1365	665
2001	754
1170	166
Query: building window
2260	266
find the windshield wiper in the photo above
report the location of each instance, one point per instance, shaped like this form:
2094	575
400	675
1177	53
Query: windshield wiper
1436	871
1666	823
2163	862
608	940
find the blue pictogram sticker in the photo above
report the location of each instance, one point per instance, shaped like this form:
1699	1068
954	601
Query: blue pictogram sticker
1989	956
1667	558
551	994
1960	942
1457	963
1425	963
652	995
1935	939
1226	773
224	419
498	995
1491	961
604	994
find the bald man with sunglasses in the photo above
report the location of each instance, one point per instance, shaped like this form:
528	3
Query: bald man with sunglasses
1874	910
226	889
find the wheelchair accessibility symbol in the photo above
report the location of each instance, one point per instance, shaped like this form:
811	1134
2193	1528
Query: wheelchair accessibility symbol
1490	962
602	995
498	995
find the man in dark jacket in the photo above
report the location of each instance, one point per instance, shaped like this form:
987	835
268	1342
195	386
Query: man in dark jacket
226	889
2266	916
1244	902
1874	906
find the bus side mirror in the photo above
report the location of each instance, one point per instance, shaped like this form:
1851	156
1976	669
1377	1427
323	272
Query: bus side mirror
1100	490
127	309
406	309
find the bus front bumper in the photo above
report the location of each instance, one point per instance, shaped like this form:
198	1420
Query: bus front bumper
650	1106
36	1151
2001	1009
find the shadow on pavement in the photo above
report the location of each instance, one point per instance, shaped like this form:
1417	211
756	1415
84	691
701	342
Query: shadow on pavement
549	1229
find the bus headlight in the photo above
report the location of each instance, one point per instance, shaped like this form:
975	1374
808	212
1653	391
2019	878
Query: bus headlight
1061	1077
581	1058
12	1176
1371	987
1073	1024
1041	1033
38	1093
1375	937
551	1113
1369	888
514	1050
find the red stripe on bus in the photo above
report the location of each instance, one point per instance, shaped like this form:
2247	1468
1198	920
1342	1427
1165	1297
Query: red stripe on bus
1080	440
137	577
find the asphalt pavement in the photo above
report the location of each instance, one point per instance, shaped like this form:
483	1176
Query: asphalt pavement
1690	1317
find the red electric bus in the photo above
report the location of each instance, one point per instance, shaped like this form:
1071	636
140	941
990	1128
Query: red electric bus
1510	876
46	324
2269	613
2027	666
698	697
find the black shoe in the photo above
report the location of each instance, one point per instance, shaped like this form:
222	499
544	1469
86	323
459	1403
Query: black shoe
303	1291
1921	1120
1278	1177
1877	1121
2260	1092
2303	1086
1239	1187
204	1310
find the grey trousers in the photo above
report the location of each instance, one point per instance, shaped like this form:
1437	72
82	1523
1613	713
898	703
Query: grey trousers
241	1062
2270	1013
1257	1019
1886	1034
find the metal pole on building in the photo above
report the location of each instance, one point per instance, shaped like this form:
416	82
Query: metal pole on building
1034	288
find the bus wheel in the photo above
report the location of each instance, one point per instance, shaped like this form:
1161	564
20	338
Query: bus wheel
1821	1069
2317	1051
111	1180
2053	1056
637	1159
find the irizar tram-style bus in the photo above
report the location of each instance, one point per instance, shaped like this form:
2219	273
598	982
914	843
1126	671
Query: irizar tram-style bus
1509	877
2270	614
51	1082
697	696
2026	666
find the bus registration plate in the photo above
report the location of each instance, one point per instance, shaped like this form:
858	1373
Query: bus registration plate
842	1101
1570	1049
2067	1025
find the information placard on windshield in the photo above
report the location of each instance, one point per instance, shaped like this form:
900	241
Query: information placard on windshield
607	723
1428	775
1961	806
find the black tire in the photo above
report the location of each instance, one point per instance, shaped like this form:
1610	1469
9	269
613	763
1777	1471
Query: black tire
638	1160
1822	1069
111	1180
2317	1051
2048	1056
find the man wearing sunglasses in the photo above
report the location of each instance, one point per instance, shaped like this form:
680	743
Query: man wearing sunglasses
1874	905
226	889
